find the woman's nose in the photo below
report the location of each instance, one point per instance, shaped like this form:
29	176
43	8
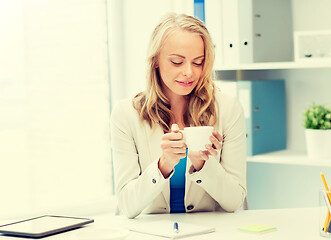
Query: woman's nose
187	72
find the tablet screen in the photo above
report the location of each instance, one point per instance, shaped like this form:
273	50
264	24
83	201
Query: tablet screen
43	226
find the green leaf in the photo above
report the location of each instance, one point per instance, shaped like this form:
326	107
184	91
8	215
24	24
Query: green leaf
317	117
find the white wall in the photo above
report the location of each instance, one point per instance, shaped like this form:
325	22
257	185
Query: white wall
130	34
311	14
54	107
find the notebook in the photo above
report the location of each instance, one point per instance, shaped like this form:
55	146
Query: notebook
165	228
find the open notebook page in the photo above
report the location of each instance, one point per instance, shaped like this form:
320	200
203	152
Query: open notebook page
165	228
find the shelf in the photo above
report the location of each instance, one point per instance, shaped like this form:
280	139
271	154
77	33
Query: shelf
277	65
289	157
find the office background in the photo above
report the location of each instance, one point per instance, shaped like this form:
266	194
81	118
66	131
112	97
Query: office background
63	64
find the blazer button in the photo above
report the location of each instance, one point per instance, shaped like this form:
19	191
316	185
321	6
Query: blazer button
198	181
190	207
153	180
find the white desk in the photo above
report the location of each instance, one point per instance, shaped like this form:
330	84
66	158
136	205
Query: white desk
294	224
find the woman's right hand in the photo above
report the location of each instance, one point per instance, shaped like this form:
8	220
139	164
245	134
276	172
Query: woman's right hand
174	149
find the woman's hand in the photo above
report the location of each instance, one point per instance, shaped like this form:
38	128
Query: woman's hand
198	158
173	148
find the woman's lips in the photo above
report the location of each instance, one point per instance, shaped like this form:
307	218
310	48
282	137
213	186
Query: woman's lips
185	83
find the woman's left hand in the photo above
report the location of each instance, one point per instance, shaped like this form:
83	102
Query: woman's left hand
198	158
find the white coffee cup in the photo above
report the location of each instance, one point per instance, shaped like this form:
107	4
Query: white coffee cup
196	138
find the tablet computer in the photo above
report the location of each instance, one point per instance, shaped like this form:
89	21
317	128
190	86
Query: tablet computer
43	226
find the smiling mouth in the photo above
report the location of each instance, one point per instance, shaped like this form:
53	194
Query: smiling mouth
185	84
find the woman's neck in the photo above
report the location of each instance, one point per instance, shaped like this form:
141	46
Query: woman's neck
178	107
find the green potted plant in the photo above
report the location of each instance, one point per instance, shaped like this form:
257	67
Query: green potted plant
317	122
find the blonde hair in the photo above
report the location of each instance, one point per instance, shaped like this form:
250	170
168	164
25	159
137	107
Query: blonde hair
152	104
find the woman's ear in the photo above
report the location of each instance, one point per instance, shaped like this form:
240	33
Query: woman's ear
156	62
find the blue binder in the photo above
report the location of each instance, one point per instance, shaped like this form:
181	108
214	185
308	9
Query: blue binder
265	114
199	9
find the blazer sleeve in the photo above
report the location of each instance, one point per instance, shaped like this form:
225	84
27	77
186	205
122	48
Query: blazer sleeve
135	189
223	176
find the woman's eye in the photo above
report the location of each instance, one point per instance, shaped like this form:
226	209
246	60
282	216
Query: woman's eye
176	63
198	64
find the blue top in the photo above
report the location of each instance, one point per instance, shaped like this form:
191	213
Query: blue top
177	187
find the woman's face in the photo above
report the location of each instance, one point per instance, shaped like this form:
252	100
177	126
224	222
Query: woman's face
180	63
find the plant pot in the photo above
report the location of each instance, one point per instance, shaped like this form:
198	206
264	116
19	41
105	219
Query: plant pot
318	143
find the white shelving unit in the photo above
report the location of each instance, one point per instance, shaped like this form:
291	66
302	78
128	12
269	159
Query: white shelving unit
277	65
300	18
289	157
303	18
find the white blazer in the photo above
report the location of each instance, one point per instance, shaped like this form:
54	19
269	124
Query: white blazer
139	184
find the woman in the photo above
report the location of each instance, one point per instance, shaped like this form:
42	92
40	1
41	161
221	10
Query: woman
154	172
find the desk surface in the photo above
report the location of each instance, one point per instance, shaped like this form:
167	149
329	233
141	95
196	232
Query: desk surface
293	223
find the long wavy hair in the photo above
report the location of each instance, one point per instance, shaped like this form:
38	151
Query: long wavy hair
152	104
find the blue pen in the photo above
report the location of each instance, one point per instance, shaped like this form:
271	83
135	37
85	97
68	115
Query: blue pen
176	230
